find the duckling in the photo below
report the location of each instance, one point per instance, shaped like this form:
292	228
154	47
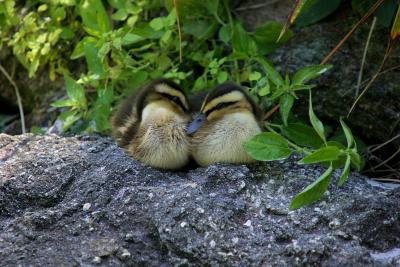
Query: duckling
151	124
227	118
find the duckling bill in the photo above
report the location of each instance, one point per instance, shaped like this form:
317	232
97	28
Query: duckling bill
227	118
150	125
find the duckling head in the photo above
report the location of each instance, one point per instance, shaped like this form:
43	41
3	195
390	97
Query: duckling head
223	100
162	98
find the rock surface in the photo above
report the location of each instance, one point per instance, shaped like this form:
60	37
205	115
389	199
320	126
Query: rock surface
80	201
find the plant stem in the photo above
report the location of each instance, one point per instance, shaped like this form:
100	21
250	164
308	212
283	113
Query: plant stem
235	62
360	74
21	109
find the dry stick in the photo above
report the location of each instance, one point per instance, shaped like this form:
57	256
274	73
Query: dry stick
270	112
21	109
179	31
385	161
388	50
361	21
384	144
360	74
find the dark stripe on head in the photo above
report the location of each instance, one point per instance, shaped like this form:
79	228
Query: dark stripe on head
149	88
226	88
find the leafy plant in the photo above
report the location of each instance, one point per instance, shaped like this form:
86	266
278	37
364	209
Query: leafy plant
283	140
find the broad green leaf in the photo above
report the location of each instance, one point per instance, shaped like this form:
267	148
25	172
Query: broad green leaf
348	134
92	59
79	50
64	103
285	105
94	17
267	146
266	35
201	29
384	13
131	38
254	76
317	11
356	160
147	32
212	5
315	122
310	72
328	153
303	135
345	172
242	41
157	23
225	34
313	192
222	76
75	91
271	72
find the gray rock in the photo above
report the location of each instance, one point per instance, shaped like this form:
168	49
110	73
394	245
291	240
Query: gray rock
221	215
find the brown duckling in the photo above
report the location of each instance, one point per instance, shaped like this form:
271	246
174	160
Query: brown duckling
227	118
150	125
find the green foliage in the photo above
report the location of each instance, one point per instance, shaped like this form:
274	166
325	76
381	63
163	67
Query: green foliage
301	138
315	10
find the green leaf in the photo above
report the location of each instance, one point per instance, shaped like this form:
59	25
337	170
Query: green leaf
94	17
315	122
346	171
157	23
75	91
348	134
242	41
285	105
225	34
317	11
64	103
310	72
222	76
313	192
131	38
212	6
266	35
356	160
272	74
79	50
303	135
92	59
328	153
267	146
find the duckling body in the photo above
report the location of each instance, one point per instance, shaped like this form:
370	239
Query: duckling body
150	125
227	118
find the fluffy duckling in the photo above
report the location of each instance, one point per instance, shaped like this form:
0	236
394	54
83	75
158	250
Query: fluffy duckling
150	124
227	118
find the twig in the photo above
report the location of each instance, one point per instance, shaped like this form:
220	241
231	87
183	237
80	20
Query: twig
388	50
385	143
270	112
385	161
361	21
179	30
21	109
360	74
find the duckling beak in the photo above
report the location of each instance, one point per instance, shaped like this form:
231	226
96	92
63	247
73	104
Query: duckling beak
196	123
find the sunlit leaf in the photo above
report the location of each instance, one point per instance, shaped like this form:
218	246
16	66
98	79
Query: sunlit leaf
328	153
345	172
313	192
395	32
348	134
310	72
315	122
267	146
